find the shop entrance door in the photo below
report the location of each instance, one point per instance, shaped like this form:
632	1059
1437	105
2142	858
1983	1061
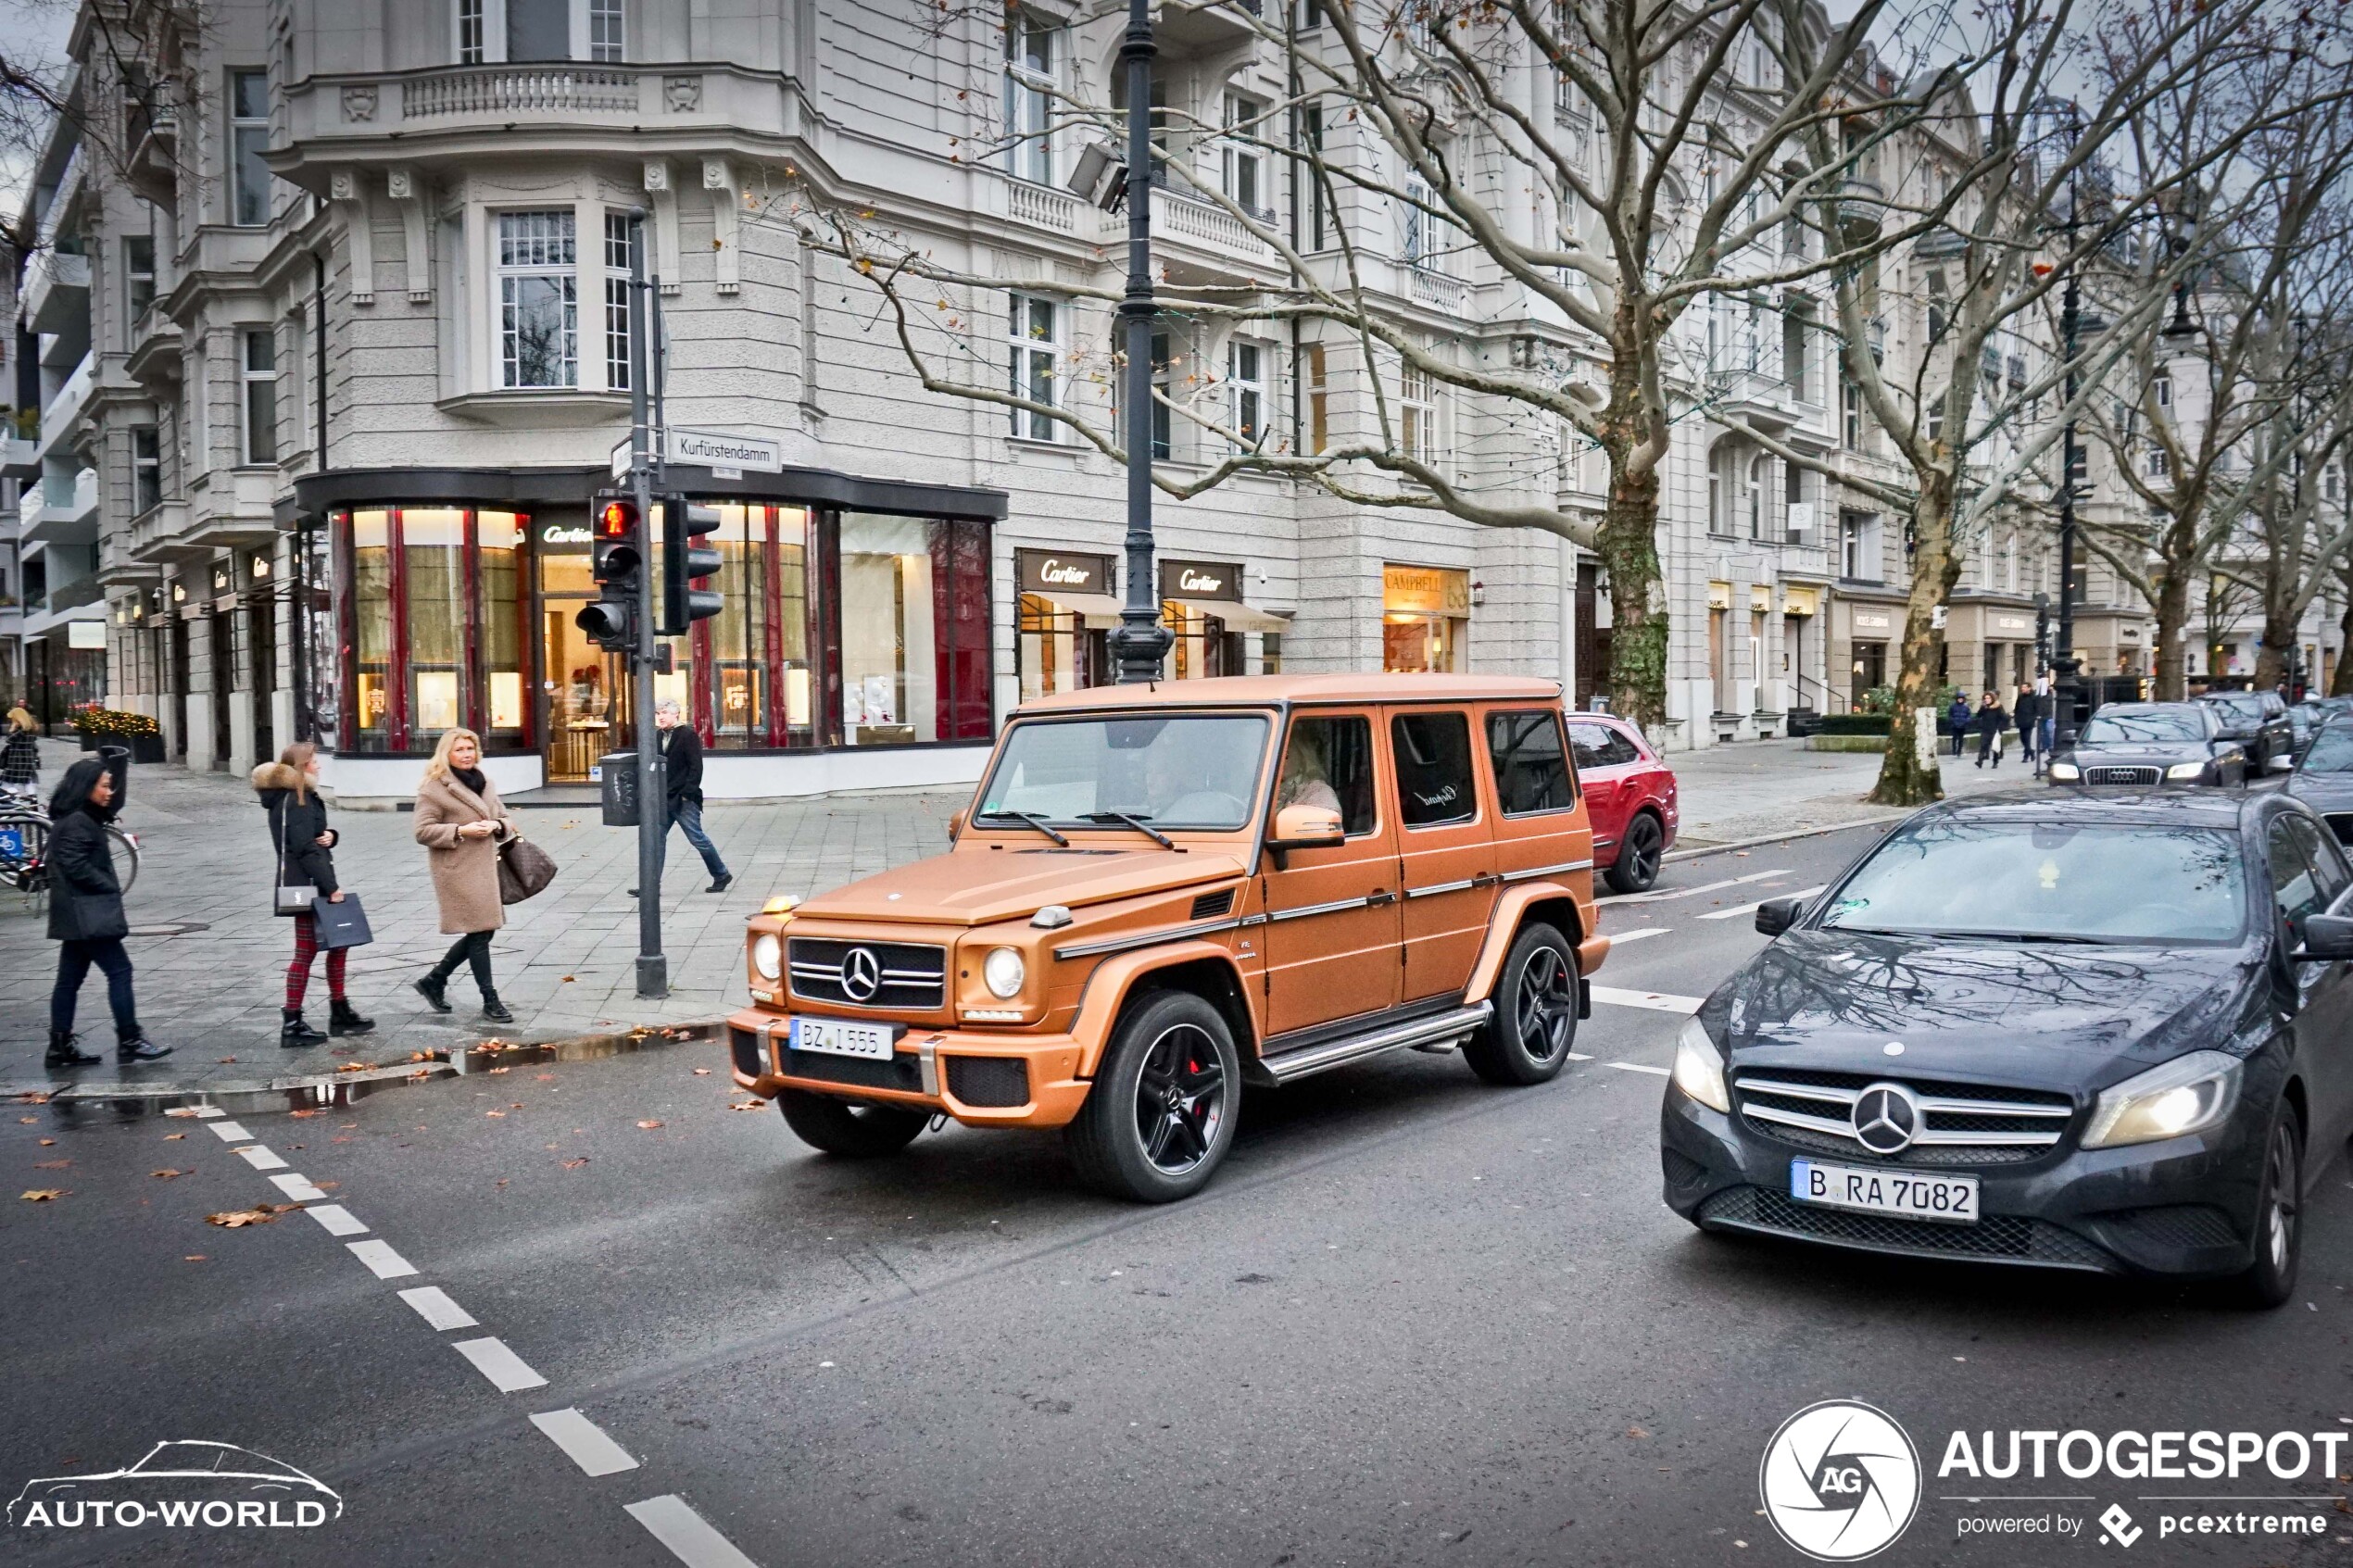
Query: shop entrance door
585	695
262	616
223	646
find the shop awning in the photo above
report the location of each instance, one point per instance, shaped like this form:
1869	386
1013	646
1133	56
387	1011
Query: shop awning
1237	616
1095	610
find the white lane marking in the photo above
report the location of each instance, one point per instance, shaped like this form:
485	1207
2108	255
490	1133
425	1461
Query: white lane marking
338	1220
434	1305
1618	938
1658	1002
260	1158
586	1442
229	1132
690	1540
379	1255
297	1185
210	1111
1689	892
1751	909
508	1372
1577	1056
1639	1067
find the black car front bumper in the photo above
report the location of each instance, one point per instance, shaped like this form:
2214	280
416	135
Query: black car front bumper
2182	1207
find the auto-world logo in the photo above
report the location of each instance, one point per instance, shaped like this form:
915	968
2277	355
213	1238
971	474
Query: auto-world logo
185	1486
1840	1480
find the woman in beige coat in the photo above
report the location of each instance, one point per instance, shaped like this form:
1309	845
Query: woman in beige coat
461	825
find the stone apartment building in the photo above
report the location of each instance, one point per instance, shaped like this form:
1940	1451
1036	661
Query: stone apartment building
330	353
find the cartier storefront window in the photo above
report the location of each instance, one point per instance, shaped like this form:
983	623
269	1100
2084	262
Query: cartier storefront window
431	617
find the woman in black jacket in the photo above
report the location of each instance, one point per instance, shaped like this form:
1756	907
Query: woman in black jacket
86	909
1988	725
298	831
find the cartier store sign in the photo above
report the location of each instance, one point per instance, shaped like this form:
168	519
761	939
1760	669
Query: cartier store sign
1059	573
1200	580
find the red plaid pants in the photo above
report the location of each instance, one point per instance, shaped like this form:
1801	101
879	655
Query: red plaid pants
306	948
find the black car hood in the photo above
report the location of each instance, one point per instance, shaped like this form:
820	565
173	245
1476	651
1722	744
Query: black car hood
2323	792
2159	753
2064	1017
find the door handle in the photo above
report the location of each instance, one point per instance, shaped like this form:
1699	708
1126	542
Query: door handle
1380	896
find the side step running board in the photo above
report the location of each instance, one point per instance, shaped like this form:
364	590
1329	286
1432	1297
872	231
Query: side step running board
1292	1066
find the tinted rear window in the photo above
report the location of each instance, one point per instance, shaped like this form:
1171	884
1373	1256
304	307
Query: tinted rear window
1433	769
1531	767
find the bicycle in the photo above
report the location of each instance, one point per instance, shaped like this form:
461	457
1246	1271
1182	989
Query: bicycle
24	852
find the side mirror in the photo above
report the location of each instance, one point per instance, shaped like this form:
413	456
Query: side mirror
1777	915
1307	827
2326	939
2283	764
956	827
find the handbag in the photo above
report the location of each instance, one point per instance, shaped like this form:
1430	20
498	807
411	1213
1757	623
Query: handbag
292	897
340	924
525	869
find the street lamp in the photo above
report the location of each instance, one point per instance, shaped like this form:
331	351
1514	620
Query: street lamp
1139	643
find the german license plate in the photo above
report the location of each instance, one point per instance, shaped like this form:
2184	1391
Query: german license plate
1906	1194
835	1038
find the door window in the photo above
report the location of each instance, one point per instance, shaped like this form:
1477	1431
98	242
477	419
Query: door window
1598	746
1329	762
1433	769
1531	766
2295	884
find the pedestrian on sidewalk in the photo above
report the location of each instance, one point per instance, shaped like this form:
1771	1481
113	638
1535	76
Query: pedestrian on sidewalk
2046	705
1957	718
682	775
86	909
1989	723
2027	711
20	756
461	825
289	792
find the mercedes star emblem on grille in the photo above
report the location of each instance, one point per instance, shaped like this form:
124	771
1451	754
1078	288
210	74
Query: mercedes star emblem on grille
1886	1116
861	977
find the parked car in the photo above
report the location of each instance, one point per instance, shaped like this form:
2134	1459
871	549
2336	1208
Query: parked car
2324	777
1161	893
2148	743
2259	722
2091	1032
1629	792
2307	717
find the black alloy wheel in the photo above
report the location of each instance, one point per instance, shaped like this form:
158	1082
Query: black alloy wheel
1161	1114
1534	1027
2279	1217
855	1129
1639	854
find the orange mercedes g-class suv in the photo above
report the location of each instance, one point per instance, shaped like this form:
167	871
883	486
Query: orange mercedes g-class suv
1160	893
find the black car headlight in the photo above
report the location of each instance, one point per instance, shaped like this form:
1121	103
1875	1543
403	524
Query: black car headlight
2185	771
1699	1067
2188	1094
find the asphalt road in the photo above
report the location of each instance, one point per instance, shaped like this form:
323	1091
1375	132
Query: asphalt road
1414	1320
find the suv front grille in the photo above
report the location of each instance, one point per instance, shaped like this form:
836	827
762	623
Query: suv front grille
897	975
989	1080
1960	1124
2119	775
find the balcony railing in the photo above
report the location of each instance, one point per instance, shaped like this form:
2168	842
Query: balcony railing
1206	226
563	89
74	595
1041	207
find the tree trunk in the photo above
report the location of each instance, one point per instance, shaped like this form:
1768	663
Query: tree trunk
1637	626
1909	774
2279	643
2173	622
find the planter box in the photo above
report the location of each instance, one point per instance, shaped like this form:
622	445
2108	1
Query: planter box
1845	742
1855	724
89	741
147	748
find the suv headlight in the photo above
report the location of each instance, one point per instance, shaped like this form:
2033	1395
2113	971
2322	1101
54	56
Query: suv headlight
2065	770
767	955
2188	1094
2185	770
1699	1067
1004	971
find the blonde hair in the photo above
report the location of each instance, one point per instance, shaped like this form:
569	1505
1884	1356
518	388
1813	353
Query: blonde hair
22	722
297	757
439	766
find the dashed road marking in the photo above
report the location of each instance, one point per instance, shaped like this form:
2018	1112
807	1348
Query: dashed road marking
1619	938
689	1539
585	1441
338	1220
1691	891
1639	1067
1658	1002
434	1305
261	1159
380	1256
229	1132
508	1372
1575	1056
297	1185
1751	909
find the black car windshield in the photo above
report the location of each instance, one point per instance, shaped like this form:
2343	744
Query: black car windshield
2331	750
2157	723
1180	771
2065	881
2245	707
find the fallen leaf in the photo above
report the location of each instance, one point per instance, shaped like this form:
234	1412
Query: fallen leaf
53	1164
194	1258
702	1072
312	1112
167	1174
342	1050
495	1071
565	980
42	1194
546	1078
28	1121
259	1214
749	1105
33	1097
493	1114
1636	1431
569	1165
47	1143
181	1110
173	1138
649	1125
224	1061
326	1186
356	1067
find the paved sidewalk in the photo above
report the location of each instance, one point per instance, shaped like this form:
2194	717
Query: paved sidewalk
211	959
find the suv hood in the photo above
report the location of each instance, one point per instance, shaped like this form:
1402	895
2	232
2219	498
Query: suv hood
977	886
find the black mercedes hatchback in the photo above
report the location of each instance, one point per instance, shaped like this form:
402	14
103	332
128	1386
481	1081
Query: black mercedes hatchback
2092	1032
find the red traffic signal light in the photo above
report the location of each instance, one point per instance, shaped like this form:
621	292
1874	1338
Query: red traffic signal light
617	519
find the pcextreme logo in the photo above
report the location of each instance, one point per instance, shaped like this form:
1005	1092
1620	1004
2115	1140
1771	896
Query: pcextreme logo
183	1485
1840	1480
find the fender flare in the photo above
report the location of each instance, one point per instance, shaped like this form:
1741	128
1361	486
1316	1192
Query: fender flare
1112	981
1589	948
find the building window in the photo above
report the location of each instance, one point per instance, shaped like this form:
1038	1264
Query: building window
470	35
1937	418
914	626
1030	365
434	604
1719	516
1416	242
605	41
2160	466
1317	215
1246	386
2163	388
1858	547
138	283
1794	321
1318	400
1418	416
538	300
620	235
1164	389
1030	47
1240	167
1760	467
259	362
249	139
1850	398
146	469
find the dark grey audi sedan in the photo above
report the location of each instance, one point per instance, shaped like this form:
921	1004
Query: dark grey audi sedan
2081	1033
2146	743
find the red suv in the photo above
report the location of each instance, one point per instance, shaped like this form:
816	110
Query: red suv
1630	793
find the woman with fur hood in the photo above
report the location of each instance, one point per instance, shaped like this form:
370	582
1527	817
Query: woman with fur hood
298	831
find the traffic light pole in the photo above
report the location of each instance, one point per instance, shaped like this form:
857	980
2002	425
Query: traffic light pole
653	800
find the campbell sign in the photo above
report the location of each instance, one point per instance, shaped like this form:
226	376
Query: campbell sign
1059	572
1200	580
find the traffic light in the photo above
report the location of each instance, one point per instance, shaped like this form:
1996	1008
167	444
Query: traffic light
617	561
684	561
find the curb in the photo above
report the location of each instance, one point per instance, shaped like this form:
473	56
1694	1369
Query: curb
1894	813
355	1082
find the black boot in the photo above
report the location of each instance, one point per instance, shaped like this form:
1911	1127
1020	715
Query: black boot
133	1044
63	1052
494	1010
434	989
294	1034
344	1019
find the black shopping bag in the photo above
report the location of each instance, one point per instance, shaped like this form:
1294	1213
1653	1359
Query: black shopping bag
341	925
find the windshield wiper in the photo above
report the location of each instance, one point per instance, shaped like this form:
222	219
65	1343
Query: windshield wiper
1035	819
1139	823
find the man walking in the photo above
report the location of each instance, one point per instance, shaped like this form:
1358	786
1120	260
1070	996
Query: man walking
682	765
